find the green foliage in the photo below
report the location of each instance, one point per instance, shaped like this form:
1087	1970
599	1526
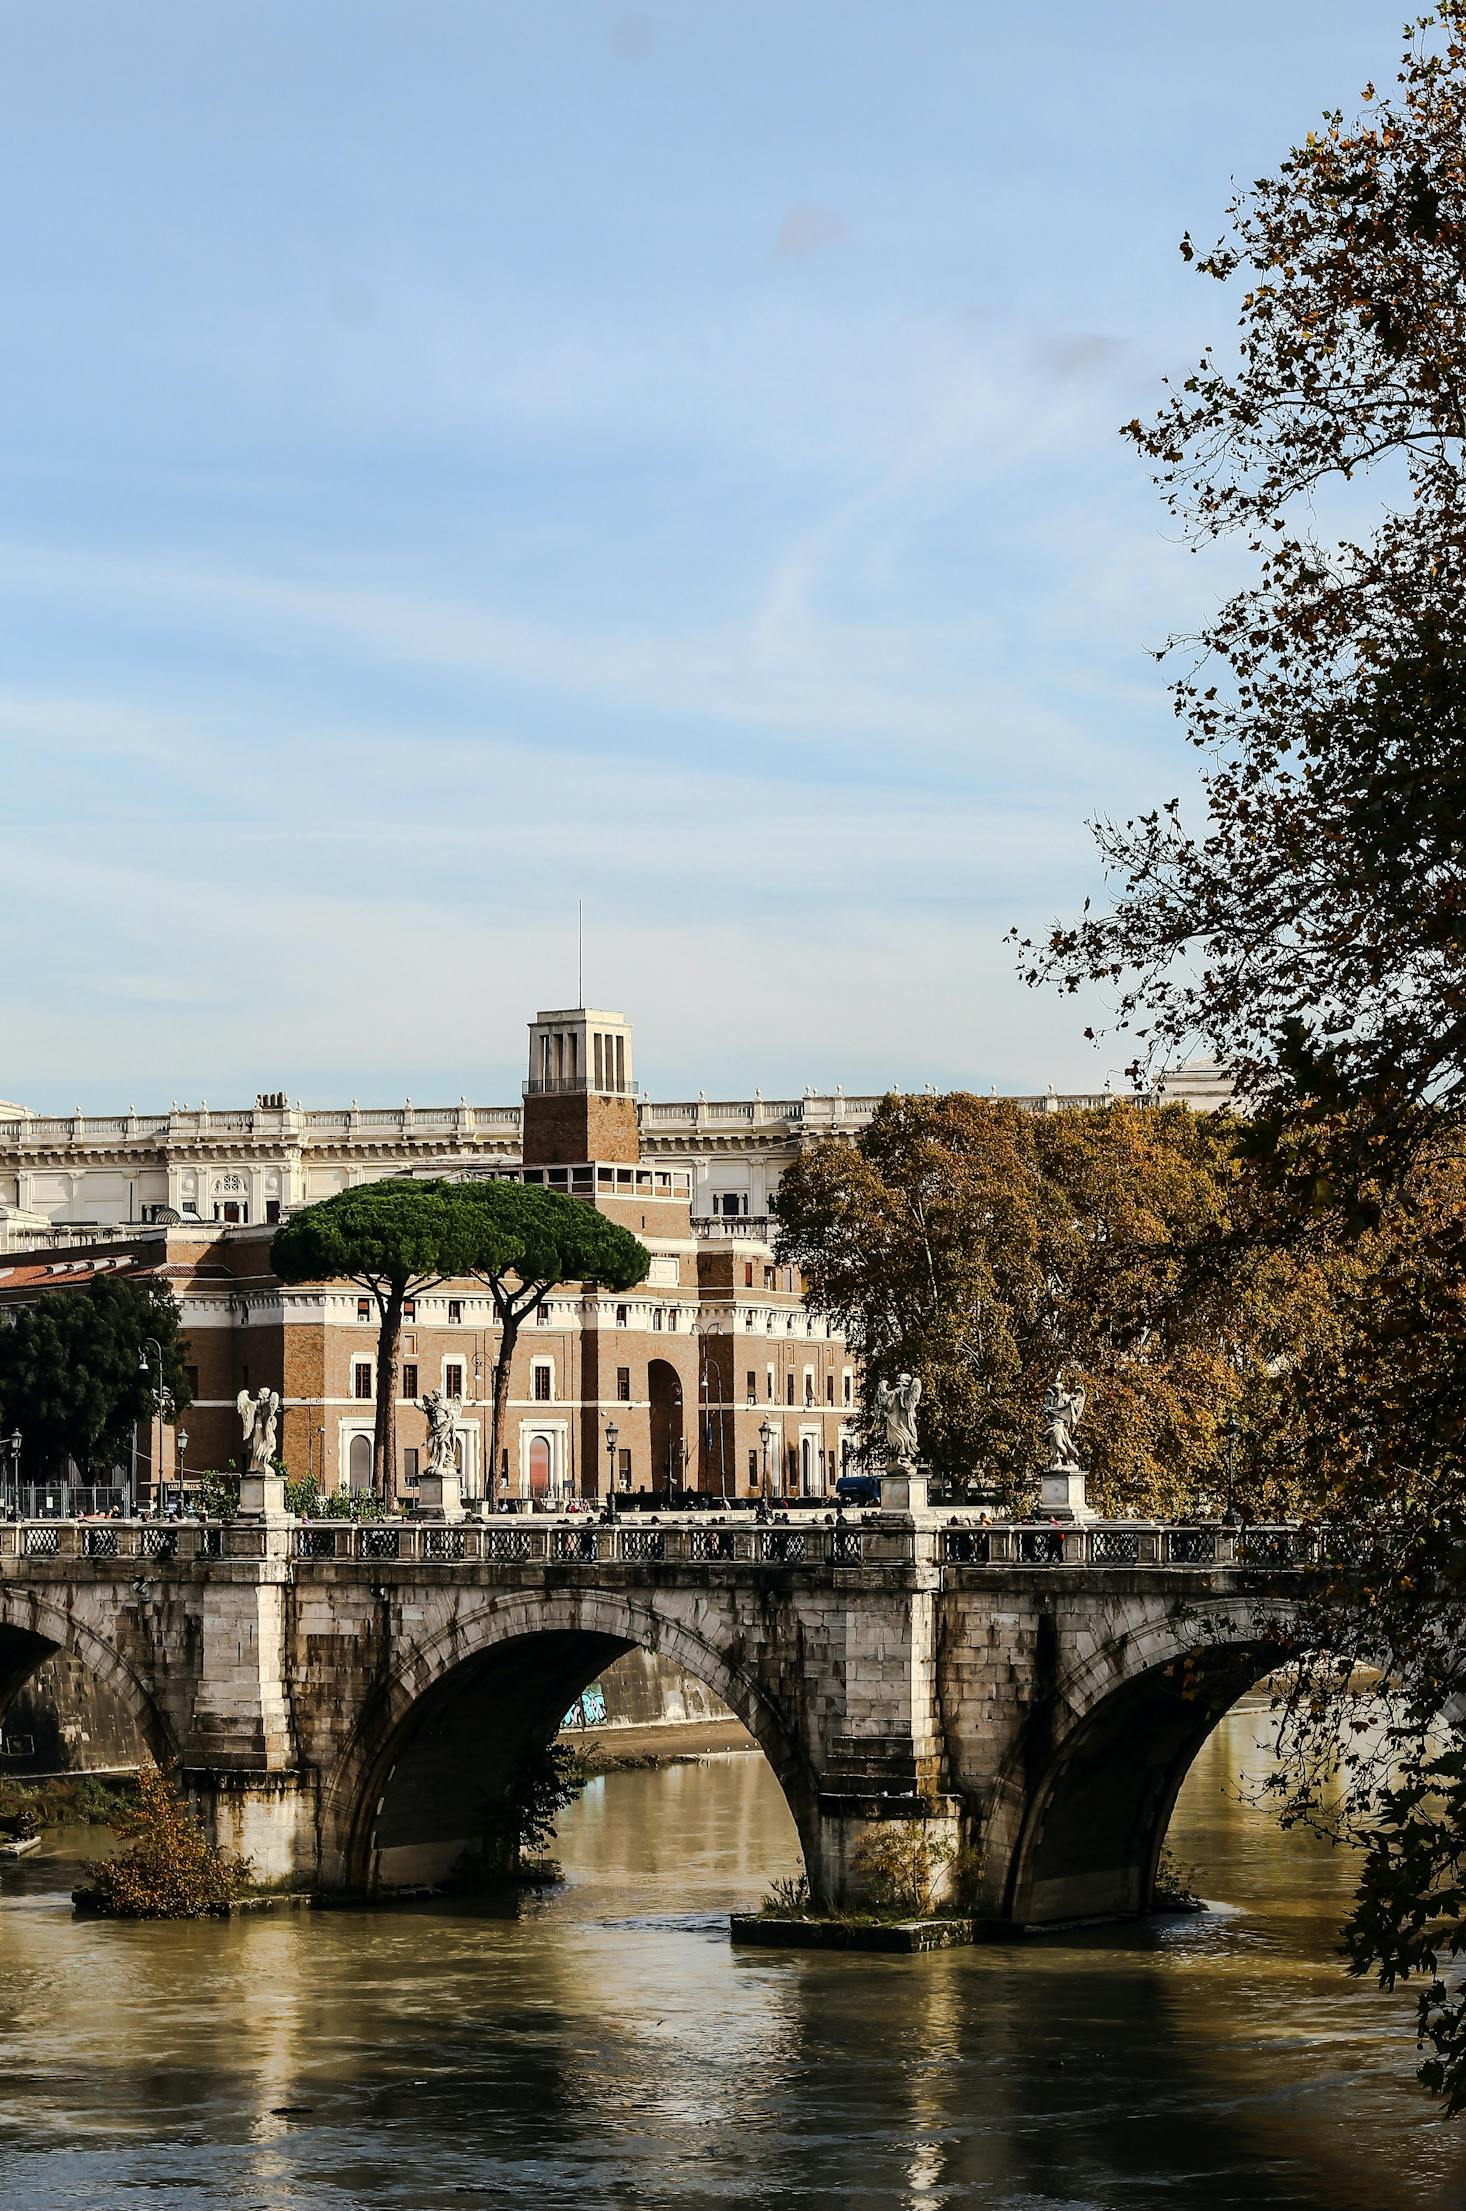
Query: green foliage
391	1236
70	1373
519	1822
532	1239
218	1496
896	1865
308	1501
788	1897
397	1238
64	1800
168	1869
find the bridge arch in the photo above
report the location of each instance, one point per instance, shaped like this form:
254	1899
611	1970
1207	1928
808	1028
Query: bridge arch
440	1731
1096	1771
34	1628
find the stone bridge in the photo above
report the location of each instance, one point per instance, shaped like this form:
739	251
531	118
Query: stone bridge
343	1699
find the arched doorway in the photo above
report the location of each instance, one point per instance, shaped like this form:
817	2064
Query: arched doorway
540	1467
359	1464
664	1390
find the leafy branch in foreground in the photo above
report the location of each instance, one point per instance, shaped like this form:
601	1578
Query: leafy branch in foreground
1312	932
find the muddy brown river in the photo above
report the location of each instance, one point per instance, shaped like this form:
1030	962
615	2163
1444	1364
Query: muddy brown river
604	2046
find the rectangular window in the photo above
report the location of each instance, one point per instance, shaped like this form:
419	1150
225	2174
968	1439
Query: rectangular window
748	1274
769	1384
272	1210
409	1308
543	1316
363	1308
409	1466
623	1316
788	1389
191	1376
455	1311
543	1383
656	1316
829	1389
409	1377
768	1278
361	1378
847	1386
753	1470
752	1385
453	1379
623	1384
625	1464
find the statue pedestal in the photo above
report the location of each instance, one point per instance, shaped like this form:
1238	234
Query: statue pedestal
440	1496
261	1496
903	1490
1061	1495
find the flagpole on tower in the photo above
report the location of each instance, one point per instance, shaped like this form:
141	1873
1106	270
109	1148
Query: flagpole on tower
580	951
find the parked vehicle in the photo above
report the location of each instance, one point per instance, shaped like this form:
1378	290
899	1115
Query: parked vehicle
858	1489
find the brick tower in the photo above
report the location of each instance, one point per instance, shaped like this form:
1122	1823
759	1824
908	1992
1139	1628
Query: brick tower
580	1099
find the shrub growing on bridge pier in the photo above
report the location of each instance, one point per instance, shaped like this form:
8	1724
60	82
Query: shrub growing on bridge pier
169	1869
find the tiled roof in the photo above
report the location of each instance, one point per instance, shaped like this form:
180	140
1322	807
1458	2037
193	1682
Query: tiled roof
67	1274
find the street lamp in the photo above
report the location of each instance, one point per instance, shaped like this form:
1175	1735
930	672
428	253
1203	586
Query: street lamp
163	1405
181	1440
766	1437
611	1432
15	1443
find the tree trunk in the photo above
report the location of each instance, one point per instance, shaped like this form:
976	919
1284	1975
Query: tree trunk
384	1438
509	1323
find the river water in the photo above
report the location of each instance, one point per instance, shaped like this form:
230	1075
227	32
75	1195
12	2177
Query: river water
604	2046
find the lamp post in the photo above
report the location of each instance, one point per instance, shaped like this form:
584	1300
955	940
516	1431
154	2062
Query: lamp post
611	1432
162	1405
766	1437
15	1443
181	1440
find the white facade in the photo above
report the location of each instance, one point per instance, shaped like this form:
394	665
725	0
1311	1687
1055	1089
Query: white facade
250	1166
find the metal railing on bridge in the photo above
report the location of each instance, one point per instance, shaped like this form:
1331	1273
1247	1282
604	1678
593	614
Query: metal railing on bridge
695	1540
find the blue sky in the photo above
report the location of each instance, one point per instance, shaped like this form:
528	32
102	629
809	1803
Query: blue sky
457	456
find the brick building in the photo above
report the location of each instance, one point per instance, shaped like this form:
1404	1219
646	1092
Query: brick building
711	1374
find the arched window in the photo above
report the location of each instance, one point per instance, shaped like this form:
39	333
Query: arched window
359	1463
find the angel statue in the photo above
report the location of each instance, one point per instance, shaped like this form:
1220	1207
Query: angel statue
257	1418
896	1402
442	1443
1063	1411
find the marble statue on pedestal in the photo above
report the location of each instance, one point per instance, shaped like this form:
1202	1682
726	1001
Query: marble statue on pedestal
1063	1411
896	1402
1061	1484
442	1441
257	1418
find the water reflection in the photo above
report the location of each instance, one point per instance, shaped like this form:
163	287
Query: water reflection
605	2046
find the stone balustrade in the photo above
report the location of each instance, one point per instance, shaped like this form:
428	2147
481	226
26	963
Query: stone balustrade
693	1539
